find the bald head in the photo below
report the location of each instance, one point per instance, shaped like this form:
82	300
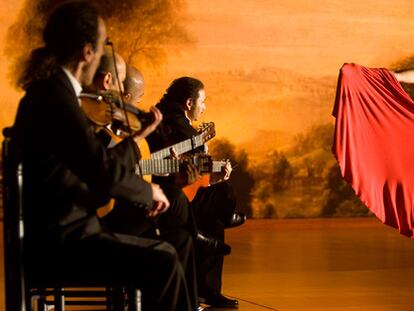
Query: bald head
105	77
133	85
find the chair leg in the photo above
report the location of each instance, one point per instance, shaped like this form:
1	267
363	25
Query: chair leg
134	297
59	299
41	303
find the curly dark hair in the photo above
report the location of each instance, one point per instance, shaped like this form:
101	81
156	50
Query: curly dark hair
180	90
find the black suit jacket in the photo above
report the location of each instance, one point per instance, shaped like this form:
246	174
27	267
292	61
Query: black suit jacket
68	172
174	128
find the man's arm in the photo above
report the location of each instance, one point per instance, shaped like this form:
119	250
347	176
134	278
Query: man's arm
405	76
84	154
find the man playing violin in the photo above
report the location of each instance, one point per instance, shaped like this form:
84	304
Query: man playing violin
68	173
105	83
214	206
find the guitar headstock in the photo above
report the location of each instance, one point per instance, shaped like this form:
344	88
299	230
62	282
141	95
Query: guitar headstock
206	131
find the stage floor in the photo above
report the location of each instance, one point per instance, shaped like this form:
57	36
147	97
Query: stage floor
316	265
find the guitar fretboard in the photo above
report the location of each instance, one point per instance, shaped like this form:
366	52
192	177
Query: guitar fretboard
171	166
218	166
158	166
180	148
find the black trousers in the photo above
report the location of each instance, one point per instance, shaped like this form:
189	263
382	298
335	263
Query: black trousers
150	265
214	203
173	226
213	208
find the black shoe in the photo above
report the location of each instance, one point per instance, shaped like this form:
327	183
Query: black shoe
237	219
212	246
219	301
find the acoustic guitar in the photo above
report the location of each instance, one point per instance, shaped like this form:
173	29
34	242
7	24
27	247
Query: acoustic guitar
157	165
205	133
202	162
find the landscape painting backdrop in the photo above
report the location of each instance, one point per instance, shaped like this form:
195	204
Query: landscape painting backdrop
270	70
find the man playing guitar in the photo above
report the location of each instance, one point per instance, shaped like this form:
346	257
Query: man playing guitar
213	206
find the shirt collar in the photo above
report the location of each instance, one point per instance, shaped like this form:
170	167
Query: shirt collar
189	120
77	87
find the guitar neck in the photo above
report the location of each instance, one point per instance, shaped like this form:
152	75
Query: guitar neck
217	166
171	166
180	148
206	165
158	166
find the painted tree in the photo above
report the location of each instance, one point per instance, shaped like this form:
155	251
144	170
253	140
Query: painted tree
240	179
143	31
281	173
339	197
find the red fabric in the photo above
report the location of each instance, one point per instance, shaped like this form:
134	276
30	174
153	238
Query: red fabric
373	142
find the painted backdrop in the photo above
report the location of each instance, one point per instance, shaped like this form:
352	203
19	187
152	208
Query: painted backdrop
270	70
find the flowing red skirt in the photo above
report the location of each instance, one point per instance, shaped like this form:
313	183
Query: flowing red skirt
374	142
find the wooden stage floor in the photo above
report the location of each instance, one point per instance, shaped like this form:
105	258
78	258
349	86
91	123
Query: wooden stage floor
316	265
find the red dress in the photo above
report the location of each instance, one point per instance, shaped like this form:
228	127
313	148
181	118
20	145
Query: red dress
374	142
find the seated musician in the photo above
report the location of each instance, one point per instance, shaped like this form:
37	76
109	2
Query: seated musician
179	213
214	206
68	174
125	218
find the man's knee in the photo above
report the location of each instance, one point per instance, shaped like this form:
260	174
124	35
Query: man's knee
179	205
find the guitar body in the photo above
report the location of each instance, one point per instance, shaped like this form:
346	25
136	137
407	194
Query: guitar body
104	210
190	191
207	132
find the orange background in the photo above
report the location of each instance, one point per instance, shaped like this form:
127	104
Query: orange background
268	65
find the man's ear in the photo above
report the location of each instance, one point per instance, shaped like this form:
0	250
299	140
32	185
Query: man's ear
88	52
107	81
127	97
188	104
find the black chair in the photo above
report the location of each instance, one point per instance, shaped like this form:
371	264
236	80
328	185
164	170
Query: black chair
23	294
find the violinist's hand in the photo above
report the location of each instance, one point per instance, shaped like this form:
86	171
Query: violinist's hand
161	203
188	175
223	175
150	128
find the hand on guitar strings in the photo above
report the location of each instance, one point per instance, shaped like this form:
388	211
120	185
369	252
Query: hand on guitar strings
188	174
223	175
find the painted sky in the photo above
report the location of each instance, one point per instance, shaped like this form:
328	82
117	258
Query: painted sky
312	37
303	43
262	59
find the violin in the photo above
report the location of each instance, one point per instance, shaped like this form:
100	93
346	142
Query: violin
106	108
